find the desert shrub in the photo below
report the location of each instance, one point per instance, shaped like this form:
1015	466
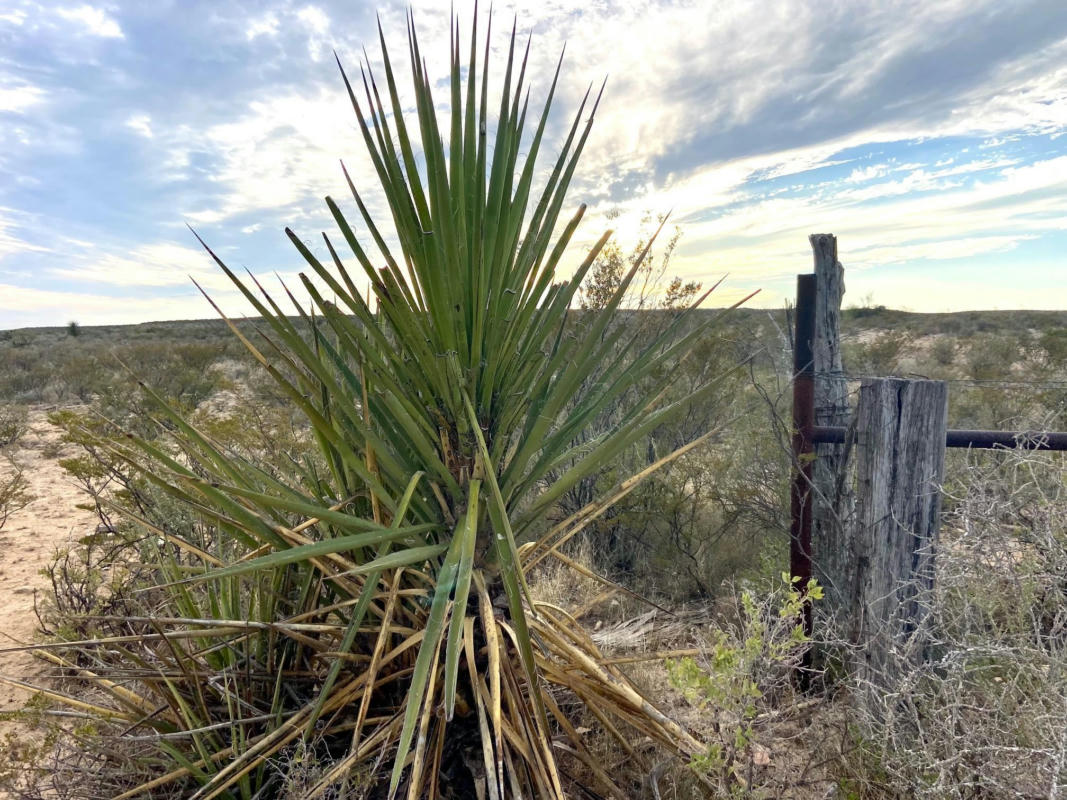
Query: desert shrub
251	423
14	422
991	356
14	489
184	375
986	715
704	519
943	351
81	374
1009	385
302	769
864	312
46	365
108	577
24	371
878	355
687	521
96	589
744	675
865	309
1054	344
66	762
14	485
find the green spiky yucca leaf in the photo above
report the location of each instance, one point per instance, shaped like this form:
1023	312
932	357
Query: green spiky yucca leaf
380	573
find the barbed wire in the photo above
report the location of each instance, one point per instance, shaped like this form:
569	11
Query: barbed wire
992	382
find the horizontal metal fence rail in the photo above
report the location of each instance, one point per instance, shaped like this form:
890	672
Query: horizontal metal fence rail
987	440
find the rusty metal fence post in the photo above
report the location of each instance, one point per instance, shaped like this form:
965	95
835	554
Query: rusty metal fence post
873	550
800	496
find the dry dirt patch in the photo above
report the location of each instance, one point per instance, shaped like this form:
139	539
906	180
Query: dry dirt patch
28	543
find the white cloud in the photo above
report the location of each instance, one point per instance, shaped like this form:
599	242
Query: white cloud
918	180
160	264
317	24
767	239
267	25
281	153
16	17
942	249
281	156
140	124
22	306
738	77
13	224
867	173
979	165
929	293
94	20
705	104
149	283
314	18
19	98
209	216
760	242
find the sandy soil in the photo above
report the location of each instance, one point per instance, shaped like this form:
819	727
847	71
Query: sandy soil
28	543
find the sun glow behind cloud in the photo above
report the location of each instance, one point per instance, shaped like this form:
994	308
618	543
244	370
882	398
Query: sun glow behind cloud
927	136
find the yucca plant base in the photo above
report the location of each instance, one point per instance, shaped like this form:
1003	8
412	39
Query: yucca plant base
366	607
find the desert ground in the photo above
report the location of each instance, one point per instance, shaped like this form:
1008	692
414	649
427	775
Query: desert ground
31	537
1006	372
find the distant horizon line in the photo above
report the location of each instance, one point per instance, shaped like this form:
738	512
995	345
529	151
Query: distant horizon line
872	310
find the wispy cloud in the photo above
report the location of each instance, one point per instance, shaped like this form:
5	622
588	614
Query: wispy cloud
12	235
267	25
919	132
868	173
766	239
30	306
19	99
314	18
14	17
280	154
140	124
155	265
94	21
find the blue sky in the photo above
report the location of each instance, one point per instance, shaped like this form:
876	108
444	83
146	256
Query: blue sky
927	135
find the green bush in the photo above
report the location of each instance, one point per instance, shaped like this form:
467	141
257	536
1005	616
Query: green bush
14	490
14	423
944	351
1054	343
877	356
746	669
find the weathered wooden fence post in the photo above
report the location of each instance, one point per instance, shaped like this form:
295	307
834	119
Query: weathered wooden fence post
870	526
900	450
832	547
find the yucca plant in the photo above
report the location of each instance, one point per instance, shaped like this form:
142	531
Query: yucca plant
375	606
